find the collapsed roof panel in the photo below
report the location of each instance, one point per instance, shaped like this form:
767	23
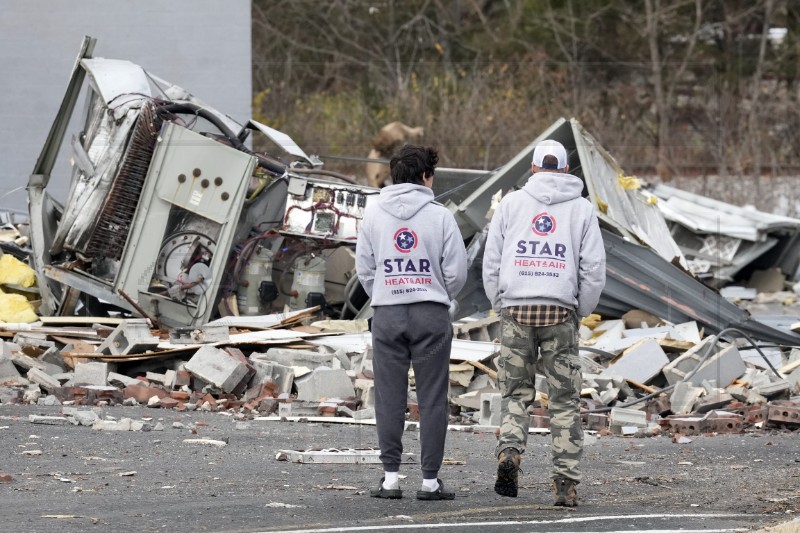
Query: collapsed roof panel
620	201
722	239
628	209
637	278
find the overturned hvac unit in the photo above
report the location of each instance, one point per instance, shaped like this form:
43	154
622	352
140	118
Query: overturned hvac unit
171	216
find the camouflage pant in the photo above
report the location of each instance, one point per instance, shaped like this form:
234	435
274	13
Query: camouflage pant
515	373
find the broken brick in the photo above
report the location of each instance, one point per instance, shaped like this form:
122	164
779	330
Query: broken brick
142	393
169	402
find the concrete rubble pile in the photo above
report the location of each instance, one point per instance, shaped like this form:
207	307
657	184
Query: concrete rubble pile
187	271
642	376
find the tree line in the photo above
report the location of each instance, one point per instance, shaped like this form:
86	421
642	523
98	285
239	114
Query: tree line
674	89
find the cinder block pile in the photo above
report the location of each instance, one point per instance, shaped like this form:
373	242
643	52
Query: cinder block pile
642	376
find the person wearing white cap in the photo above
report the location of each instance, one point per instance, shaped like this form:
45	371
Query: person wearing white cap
543	268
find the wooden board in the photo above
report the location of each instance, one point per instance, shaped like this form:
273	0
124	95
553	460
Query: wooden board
80	320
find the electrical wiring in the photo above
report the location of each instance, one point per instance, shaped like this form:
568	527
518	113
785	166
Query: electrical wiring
314	209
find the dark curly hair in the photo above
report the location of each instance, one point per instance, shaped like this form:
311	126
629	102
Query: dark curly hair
412	163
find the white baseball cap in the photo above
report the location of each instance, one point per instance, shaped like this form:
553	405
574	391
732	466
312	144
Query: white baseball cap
550	147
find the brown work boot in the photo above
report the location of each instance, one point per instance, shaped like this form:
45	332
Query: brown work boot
507	473
564	492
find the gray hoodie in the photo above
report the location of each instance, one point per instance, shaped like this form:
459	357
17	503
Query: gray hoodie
545	247
409	249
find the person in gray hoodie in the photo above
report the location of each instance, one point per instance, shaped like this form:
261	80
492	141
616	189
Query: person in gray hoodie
543	268
411	260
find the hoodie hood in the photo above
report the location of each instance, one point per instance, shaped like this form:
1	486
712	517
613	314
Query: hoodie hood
405	199
553	187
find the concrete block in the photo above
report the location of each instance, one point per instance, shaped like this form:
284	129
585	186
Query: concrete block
9	348
131	337
53	356
480	382
484	329
217	367
27	338
121	380
775	388
49	420
641	362
365	364
364	414
324	383
627	417
716	399
491	412
46	381
738	392
282	376
91	374
756	378
27	362
154	377
7	369
49	400
9	395
609	395
169	379
471	401
684	397
288	357
366	392
83	418
754	398
723	367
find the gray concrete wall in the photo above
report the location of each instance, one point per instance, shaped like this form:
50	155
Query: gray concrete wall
201	45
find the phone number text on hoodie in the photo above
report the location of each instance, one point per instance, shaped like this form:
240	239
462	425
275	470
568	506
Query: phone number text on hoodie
410	289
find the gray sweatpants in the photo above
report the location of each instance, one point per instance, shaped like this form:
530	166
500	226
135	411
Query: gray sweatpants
418	334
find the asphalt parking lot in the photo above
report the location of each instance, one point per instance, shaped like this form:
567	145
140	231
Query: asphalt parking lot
66	478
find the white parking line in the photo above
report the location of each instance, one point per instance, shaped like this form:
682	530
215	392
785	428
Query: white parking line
574	520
